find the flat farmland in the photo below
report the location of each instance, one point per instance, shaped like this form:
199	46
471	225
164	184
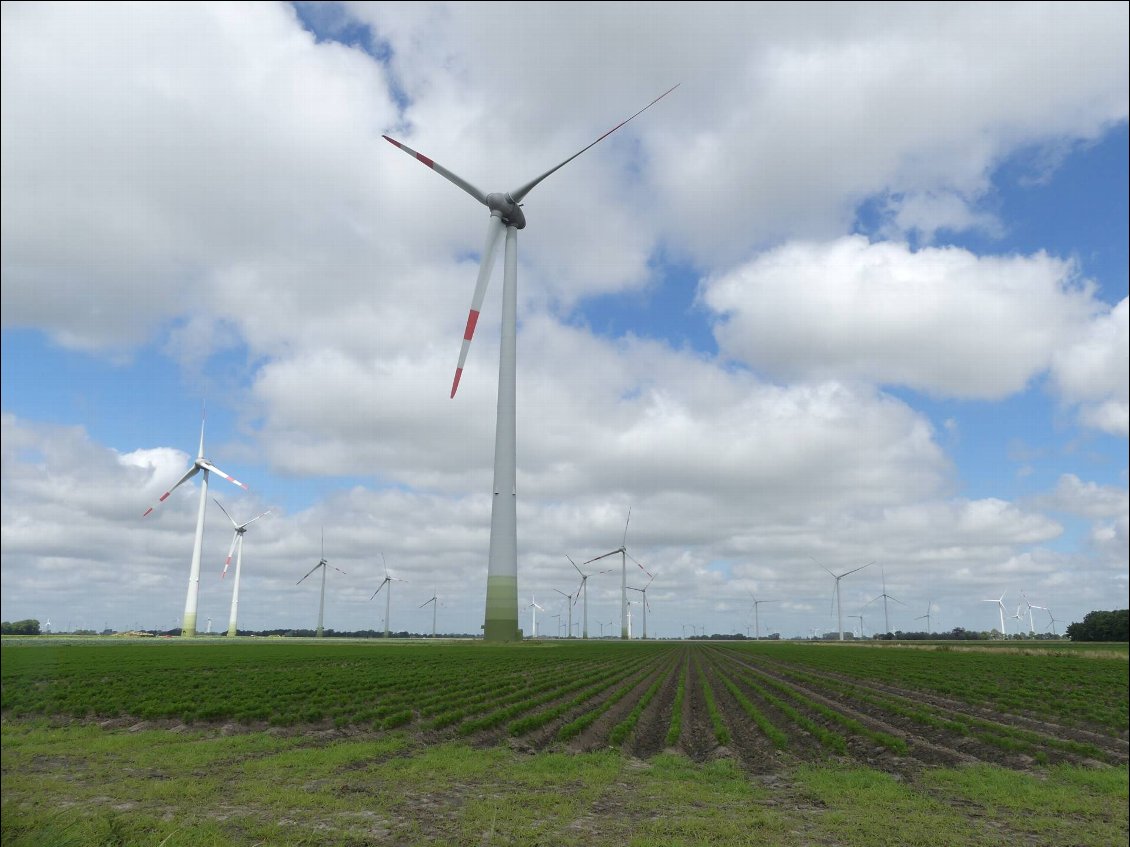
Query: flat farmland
277	741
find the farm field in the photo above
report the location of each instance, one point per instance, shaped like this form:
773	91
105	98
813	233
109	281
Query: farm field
271	741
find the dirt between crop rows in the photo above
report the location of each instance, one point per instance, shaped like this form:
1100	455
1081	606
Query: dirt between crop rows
926	746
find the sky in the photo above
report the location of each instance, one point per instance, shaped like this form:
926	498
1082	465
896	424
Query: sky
854	295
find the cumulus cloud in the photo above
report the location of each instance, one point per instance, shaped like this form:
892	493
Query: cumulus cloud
1093	372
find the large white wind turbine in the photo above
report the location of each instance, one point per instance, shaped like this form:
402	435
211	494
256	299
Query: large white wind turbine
886	597
501	623
1000	607
624	556
434	603
583	590
836	592
388	580
323	564
1031	622
644	602
756	620
237	548
188	623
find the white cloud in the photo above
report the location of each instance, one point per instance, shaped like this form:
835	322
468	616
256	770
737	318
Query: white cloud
1094	371
940	320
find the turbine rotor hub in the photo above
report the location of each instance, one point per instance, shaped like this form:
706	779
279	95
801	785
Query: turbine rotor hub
505	208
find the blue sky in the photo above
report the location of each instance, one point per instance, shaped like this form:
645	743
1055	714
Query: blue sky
856	290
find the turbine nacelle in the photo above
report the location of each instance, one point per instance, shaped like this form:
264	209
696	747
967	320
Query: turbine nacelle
504	207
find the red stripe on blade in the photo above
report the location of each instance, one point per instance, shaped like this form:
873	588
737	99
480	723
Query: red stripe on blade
472	321
455	385
147	511
425	160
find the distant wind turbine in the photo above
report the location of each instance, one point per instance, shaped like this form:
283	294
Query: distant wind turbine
534	608
644	603
624	556
1000	608
929	606
434	603
323	564
584	592
571	600
756	620
188	624
388	580
836	592
860	619
237	548
501	623
885	596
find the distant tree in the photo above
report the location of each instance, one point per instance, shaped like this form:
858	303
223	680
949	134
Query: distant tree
28	627
1102	626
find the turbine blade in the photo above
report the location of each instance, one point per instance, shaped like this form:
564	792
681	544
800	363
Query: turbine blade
642	568
225	511
861	567
605	556
379	587
520	193
574	564
311	571
208	466
234	539
624	542
441	170
189	474
486	265
256	518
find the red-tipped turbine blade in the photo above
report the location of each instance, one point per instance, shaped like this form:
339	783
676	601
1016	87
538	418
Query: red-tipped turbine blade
210	467
441	170
605	556
642	568
231	550
486	265
187	476
519	194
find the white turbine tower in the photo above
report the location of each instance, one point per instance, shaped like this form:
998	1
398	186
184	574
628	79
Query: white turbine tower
1000	607
388	580
434	604
836	592
583	590
204	467
323	564
501	622
237	548
756	620
644	603
885	596
624	556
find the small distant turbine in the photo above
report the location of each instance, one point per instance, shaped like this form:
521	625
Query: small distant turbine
644	603
1000	608
624	556
885	597
434	603
583	590
323	564
836	592
929	605
388	580
571	599
237	548
534	608
756	620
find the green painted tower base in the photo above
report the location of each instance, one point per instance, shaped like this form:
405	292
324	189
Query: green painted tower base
502	610
188	627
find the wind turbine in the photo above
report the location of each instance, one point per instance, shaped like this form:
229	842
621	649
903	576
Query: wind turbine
929	605
644	603
572	600
388	580
1000	607
836	592
434	605
623	551
323	564
188	624
756	621
237	548
501	621
583	590
1031	623
886	597
860	619
1019	620
534	607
